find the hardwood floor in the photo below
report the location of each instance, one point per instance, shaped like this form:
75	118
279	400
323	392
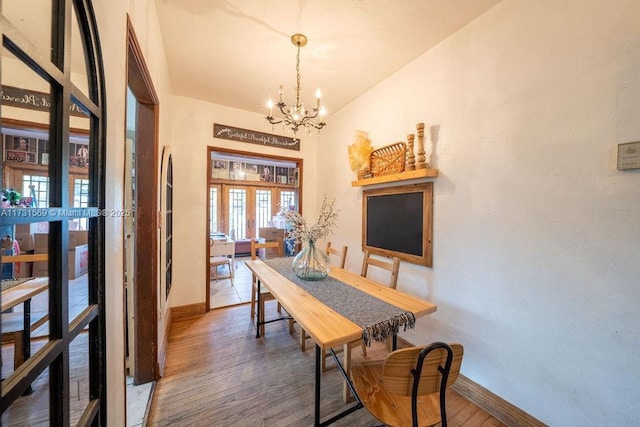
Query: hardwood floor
217	373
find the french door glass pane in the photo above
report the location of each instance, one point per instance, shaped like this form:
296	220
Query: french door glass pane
31	409
287	199
78	268
79	144
263	209
35	26
238	213
78	376
213	209
79	69
25	150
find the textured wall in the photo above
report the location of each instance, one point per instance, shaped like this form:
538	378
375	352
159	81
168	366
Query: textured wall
536	233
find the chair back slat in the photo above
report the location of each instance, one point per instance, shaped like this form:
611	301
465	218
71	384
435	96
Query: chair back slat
340	254
398	378
393	267
255	245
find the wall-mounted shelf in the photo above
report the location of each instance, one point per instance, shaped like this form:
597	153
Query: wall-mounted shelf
402	176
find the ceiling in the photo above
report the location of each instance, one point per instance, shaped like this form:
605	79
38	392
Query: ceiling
237	52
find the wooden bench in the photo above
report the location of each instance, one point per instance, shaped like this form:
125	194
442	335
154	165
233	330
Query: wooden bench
13	331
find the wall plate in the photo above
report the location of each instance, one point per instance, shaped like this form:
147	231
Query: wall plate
629	155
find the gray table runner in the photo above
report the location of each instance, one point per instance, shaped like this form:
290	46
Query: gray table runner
378	321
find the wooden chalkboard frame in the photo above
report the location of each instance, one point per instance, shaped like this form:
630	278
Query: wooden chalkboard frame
426	254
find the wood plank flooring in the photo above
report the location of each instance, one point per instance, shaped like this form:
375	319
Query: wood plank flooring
218	374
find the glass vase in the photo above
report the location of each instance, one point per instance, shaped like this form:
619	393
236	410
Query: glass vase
311	263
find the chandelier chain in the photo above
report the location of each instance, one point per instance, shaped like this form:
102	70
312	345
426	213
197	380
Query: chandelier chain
298	77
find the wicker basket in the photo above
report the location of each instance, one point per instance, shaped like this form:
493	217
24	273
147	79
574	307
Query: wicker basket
389	159
364	173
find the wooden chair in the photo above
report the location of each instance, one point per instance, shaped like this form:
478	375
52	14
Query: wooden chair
221	253
265	295
408	388
392	266
342	255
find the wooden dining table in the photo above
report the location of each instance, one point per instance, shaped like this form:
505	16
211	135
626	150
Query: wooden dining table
324	325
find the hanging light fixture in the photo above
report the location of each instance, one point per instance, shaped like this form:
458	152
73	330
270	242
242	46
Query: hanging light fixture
296	116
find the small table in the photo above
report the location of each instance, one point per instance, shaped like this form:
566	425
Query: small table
325	326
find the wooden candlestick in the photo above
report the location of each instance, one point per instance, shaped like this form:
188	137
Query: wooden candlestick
411	158
421	163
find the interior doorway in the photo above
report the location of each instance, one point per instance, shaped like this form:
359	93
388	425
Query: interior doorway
245	193
140	225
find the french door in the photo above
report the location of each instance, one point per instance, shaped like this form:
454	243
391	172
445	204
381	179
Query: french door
52	53
248	209
241	210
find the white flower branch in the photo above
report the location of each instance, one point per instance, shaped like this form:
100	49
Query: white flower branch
300	230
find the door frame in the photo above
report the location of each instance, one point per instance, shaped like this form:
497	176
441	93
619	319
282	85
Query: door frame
209	181
146	270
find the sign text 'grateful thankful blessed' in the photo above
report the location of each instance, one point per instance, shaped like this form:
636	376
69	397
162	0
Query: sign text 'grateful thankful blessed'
253	137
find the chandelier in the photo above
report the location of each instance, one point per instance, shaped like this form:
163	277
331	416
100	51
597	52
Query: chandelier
296	116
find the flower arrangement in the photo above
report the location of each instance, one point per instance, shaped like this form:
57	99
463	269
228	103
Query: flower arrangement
311	263
301	232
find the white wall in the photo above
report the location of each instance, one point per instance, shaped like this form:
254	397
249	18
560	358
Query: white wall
192	132
112	27
536	233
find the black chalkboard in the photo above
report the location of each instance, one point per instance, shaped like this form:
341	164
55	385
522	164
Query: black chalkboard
394	222
398	222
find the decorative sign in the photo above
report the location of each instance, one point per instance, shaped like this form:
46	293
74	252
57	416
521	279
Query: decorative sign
629	155
33	100
253	137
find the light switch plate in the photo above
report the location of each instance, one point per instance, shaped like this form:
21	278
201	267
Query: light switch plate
629	155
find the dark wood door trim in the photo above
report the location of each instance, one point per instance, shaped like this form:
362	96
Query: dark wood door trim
146	207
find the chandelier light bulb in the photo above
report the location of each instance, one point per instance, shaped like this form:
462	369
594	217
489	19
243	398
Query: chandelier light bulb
269	107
